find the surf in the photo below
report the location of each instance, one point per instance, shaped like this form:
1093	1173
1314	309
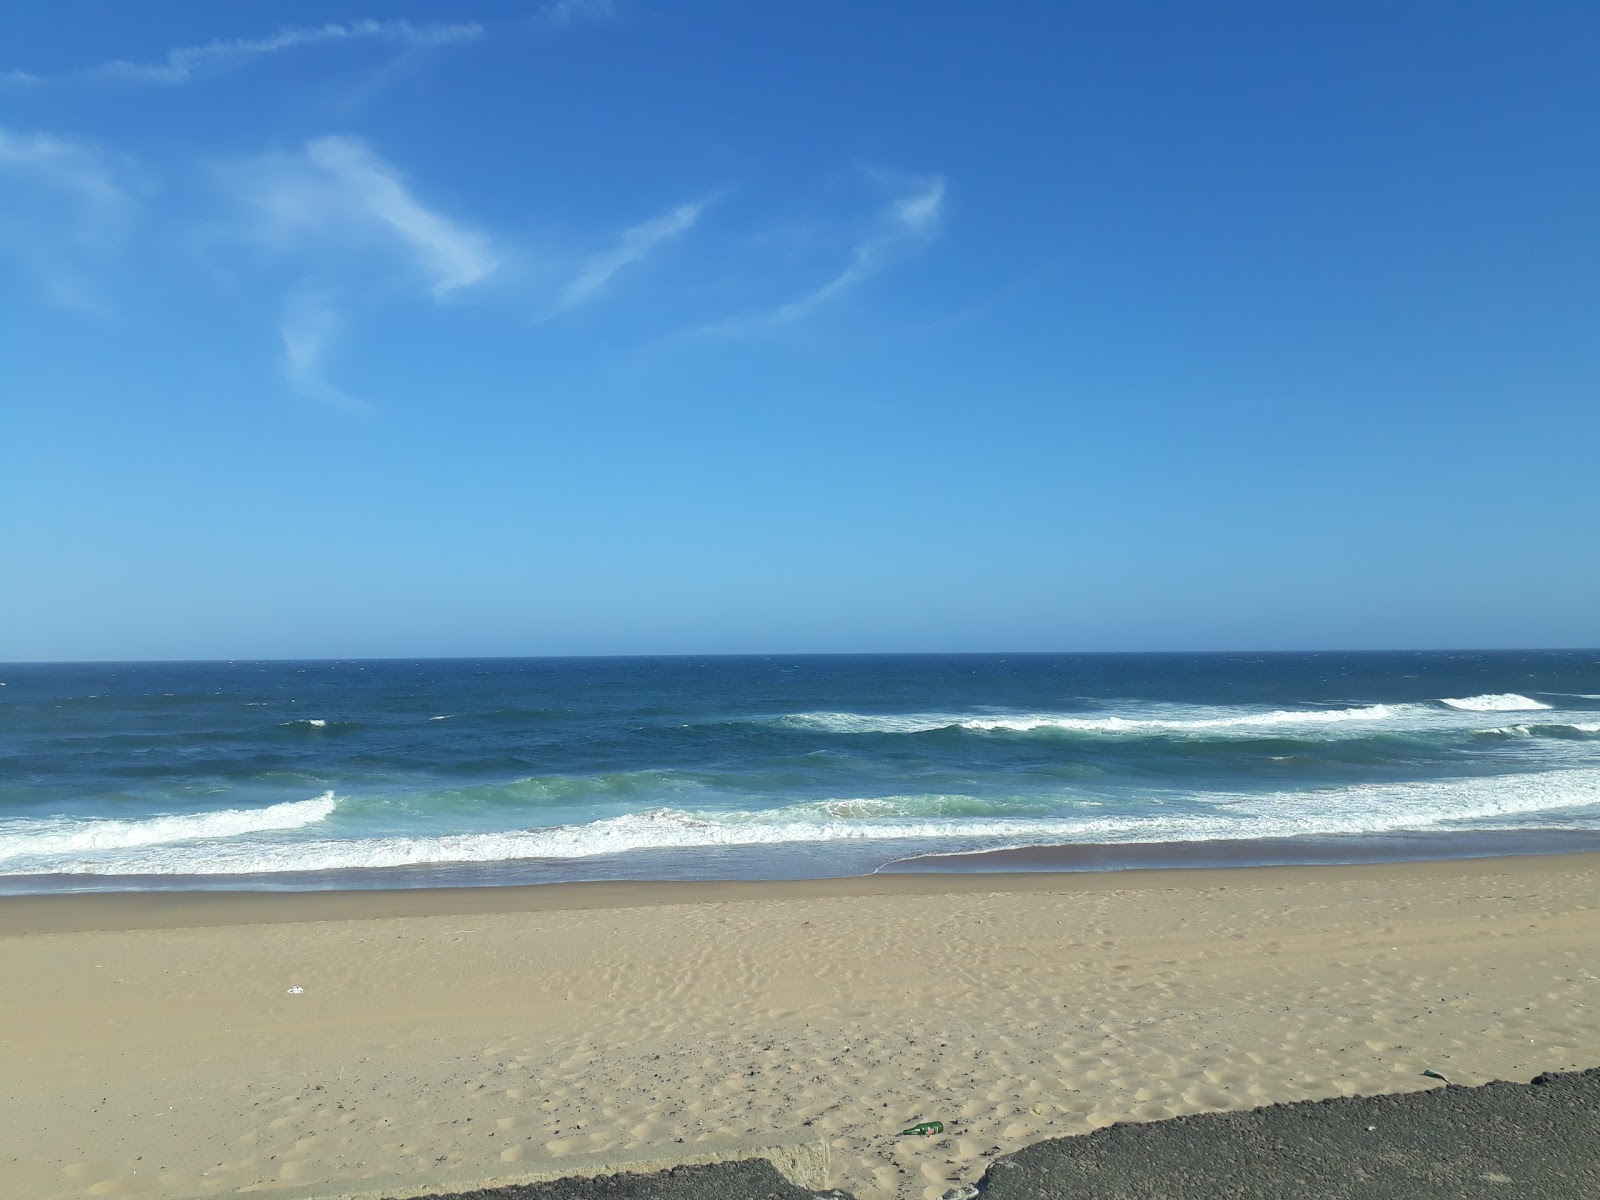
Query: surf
68	837
1495	702
1211	816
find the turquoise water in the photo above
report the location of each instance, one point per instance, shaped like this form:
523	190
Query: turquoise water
353	773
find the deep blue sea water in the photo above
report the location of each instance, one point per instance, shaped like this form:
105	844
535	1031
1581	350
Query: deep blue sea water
318	774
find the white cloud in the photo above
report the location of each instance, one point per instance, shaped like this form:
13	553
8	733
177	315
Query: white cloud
563	14
633	245
919	212
341	221
64	205
73	167
910	218
455	257
339	197
180	63
310	323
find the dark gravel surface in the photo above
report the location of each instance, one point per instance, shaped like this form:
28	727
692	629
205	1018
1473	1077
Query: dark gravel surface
754	1179
1511	1141
1508	1141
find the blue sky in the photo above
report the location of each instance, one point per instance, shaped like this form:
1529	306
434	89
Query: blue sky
350	329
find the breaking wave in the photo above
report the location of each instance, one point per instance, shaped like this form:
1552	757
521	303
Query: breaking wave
1208	721
950	819
1444	715
1241	721
69	837
1496	702
1544	730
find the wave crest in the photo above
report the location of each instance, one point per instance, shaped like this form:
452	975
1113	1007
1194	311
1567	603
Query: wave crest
1371	808
1280	717
1495	702
80	836
1244	722
1545	730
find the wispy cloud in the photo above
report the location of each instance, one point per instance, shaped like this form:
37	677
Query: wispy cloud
563	14
64	203
181	63
632	246
338	196
310	323
74	167
909	219
455	257
341	221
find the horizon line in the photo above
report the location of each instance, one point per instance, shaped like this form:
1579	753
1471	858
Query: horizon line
731	654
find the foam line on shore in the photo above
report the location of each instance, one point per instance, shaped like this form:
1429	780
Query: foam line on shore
196	848
91	911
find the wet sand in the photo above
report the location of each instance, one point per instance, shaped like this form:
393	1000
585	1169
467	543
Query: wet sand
150	1044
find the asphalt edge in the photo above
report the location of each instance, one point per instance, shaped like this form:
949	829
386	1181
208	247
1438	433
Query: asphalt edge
804	1162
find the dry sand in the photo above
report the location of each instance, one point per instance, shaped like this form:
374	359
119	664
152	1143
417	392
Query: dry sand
149	1044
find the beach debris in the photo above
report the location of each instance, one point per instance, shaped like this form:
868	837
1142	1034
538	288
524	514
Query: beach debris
966	1191
1435	1075
295	990
1371	1128
924	1129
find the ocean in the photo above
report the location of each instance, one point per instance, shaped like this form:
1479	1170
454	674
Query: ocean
284	775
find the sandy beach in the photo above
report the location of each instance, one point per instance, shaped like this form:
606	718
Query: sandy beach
151	1044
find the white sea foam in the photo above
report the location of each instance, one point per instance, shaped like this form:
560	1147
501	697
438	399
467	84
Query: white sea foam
73	837
1242	721
1495	702
1548	727
314	722
848	722
1370	808
1155	720
1171	719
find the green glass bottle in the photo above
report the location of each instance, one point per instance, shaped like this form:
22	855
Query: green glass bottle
924	1128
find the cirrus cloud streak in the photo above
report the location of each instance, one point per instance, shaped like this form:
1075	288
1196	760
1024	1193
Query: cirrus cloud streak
181	62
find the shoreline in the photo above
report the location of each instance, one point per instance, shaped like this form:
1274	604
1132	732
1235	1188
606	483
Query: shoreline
82	912
1343	850
756	864
207	1044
